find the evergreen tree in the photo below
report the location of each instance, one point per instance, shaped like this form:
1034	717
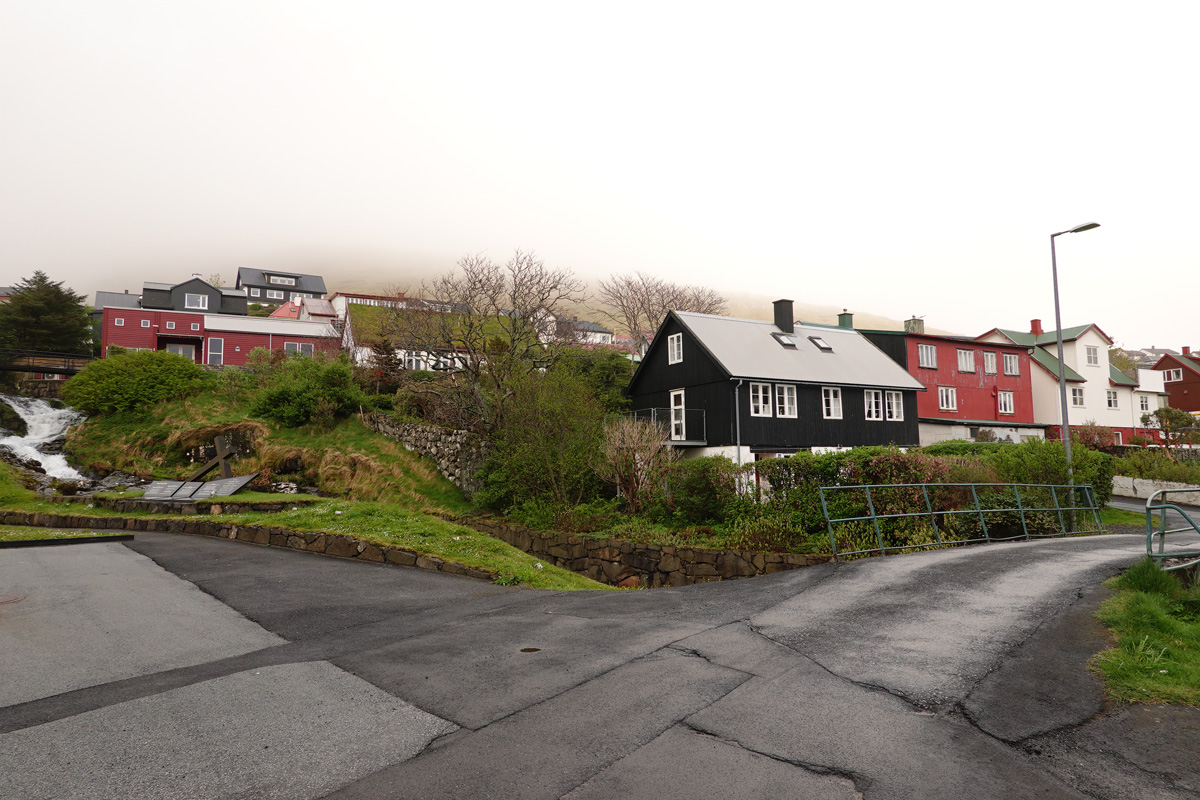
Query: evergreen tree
44	315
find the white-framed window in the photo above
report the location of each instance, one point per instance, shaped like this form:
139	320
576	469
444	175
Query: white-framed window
216	352
303	348
785	400
199	301
1144	403
947	398
255	292
675	348
989	363
966	360
275	294
170	325
145	323
119	322
927	356
678	423
1171	375
1012	364
1117	438
894	406
1077	395
1093	355
195	326
1005	402
760	399
831	402
279	280
1111	396
873	404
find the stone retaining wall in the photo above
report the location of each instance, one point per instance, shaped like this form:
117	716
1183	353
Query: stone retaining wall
1142	488
327	543
620	563
458	454
123	505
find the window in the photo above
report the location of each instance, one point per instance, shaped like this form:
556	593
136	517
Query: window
989	363
1112	398
119	322
831	402
195	326
188	351
195	301
947	398
216	352
1005	402
873	404
281	281
895	406
274	294
170	325
785	400
927	356
1172	375
1117	437
413	360
145	323
1093	356
1144	403
966	360
675	348
1012	364
1076	395
255	292
760	399
303	348
821	344
784	340
678	423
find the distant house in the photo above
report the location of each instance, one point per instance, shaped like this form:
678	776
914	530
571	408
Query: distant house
195	294
583	331
970	387
751	389
272	287
1181	379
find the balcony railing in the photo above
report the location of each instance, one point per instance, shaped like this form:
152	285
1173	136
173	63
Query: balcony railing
682	427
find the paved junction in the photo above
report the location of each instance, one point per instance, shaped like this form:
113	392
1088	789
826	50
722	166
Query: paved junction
190	667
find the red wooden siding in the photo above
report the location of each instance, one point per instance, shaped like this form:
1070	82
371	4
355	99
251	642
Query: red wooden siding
977	392
1183	394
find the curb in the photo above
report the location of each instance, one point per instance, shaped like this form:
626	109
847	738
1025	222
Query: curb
121	537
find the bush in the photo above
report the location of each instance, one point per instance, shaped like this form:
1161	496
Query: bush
317	389
130	380
955	447
700	490
1157	465
1044	461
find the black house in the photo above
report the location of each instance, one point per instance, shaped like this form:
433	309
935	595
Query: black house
193	295
272	287
748	388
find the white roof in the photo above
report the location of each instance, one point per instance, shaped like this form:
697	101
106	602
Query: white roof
273	325
749	348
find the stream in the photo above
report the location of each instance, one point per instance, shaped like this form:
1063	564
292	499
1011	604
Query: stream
47	425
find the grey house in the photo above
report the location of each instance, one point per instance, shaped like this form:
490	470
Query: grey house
274	287
192	295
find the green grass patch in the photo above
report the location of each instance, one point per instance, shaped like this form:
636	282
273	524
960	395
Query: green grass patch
1110	515
21	534
1155	619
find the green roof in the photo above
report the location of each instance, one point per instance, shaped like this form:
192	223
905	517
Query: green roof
1120	378
1027	339
1041	356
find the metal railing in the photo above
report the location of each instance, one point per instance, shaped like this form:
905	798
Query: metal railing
677	424
946	514
1186	557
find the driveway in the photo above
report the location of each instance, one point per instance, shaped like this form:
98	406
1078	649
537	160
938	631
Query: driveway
191	667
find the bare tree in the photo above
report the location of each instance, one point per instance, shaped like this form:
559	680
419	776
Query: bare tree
635	457
639	302
483	325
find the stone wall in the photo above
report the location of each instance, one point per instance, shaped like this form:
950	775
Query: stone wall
620	563
458	454
218	505
1142	488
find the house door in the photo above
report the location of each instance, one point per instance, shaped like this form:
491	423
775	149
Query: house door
678	428
188	351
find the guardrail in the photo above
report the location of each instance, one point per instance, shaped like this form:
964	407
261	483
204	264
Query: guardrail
679	425
1187	557
935	515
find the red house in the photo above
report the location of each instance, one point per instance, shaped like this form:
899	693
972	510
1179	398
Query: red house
970	386
1181	379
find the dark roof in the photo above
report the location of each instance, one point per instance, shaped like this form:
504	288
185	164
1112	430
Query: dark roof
118	300
248	276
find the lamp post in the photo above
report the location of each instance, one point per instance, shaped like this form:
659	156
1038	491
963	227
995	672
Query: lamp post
1062	368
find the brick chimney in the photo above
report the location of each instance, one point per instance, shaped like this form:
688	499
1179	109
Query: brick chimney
1035	327
1187	351
914	325
784	318
845	319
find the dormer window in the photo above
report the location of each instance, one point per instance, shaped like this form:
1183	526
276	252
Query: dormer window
198	301
821	344
785	340
279	280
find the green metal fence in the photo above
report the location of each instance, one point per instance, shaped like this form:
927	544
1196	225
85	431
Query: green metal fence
1157	502
885	518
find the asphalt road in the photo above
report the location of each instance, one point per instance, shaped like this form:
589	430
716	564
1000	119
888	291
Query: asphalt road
189	667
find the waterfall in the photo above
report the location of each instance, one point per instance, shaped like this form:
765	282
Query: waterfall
45	424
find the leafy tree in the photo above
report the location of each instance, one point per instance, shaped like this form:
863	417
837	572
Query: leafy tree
606	370
128	380
1121	359
44	315
1177	426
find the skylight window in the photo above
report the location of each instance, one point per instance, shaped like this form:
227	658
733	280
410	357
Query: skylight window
821	344
784	340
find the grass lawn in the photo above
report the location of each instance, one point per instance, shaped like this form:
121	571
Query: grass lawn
1119	516
22	534
1155	619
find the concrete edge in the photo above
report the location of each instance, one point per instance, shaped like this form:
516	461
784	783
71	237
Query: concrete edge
120	537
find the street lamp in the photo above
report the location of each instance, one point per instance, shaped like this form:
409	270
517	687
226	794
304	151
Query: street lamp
1062	369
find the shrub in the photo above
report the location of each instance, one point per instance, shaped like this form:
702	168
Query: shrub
132	380
955	447
301	389
1044	461
700	490
635	459
1157	465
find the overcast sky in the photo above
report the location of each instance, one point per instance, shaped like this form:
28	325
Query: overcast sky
892	158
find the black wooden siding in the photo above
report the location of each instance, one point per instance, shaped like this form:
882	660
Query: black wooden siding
894	343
